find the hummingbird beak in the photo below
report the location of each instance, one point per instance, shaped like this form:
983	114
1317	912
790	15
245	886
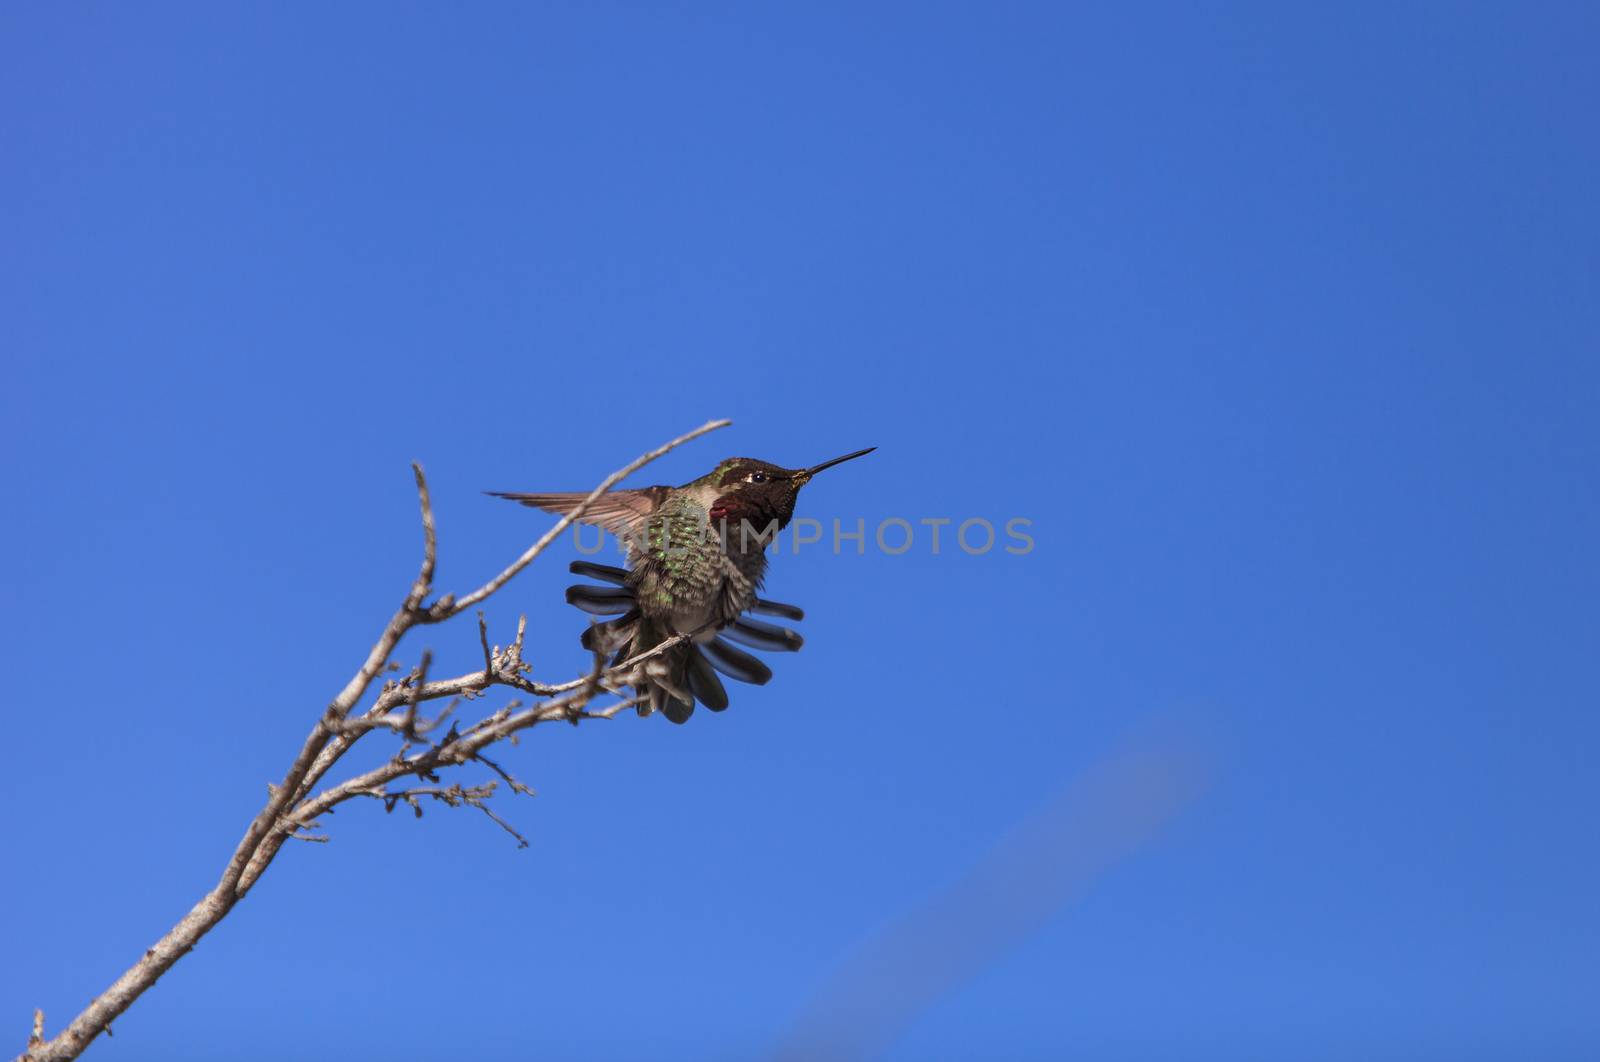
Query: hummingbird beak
814	469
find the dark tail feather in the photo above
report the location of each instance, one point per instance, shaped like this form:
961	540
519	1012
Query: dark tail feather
602	636
604	572
674	689
704	683
758	635
764	607
675	710
600	600
736	663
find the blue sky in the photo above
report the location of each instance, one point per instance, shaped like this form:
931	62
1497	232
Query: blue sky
1278	322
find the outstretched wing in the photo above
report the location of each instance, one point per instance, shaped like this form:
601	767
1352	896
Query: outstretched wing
622	512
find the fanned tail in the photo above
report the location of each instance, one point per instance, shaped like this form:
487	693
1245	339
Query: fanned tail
675	680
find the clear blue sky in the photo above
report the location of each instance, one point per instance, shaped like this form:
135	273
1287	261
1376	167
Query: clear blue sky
1278	321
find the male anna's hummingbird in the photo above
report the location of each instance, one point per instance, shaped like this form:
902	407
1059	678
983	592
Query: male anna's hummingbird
696	556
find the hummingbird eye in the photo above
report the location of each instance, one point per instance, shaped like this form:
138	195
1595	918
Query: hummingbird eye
756	477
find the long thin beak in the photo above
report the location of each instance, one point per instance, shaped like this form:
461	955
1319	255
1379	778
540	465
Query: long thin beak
814	469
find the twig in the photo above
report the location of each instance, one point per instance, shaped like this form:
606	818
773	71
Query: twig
516	785
455	796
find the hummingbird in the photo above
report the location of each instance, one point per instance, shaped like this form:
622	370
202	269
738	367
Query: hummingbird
696	557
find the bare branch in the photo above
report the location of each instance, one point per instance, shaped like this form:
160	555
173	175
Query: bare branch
430	543
568	707
483	640
290	810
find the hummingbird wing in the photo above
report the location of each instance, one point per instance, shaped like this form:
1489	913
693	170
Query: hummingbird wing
621	512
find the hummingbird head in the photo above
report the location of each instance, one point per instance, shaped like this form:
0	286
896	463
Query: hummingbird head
761	492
